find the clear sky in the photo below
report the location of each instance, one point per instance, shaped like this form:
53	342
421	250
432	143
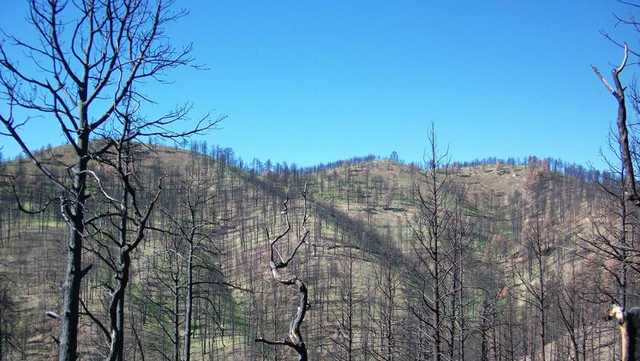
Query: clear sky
316	81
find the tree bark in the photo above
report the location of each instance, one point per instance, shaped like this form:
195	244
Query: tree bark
73	274
189	306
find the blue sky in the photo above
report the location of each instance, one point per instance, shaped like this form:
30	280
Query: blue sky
316	81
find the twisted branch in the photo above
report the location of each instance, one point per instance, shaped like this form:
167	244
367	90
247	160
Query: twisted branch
294	338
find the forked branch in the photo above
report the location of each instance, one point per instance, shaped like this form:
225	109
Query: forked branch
617	90
294	338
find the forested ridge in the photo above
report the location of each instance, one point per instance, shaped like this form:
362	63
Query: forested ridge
517	261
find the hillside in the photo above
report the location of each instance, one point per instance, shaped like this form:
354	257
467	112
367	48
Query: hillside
361	263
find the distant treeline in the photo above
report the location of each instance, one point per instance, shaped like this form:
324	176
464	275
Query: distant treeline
227	156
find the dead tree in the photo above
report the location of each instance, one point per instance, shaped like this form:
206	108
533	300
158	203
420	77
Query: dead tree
88	56
348	302
277	264
194	226
388	285
628	321
617	91
130	223
7	320
126	221
536	288
572	312
613	241
432	228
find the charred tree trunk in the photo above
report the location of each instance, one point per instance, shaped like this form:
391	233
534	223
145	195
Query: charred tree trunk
189	306
116	310
74	214
294	339
631	192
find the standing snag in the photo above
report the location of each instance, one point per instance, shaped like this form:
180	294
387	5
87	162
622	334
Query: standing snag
630	190
628	320
277	263
89	56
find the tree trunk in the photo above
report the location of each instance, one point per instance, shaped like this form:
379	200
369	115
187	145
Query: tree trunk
189	305
176	322
73	274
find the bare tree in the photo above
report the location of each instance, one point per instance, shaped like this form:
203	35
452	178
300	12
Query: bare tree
7	320
195	225
535	280
617	91
277	263
616	243
347	303
89	55
435	234
130	222
572	313
613	240
387	323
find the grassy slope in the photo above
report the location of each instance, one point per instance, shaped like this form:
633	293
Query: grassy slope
361	211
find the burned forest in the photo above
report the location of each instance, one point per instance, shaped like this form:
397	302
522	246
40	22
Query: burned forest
139	236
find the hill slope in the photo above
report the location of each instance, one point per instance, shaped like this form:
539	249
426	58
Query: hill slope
369	291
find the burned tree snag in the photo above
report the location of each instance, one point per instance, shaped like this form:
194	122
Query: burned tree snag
631	193
277	263
628	321
83	53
